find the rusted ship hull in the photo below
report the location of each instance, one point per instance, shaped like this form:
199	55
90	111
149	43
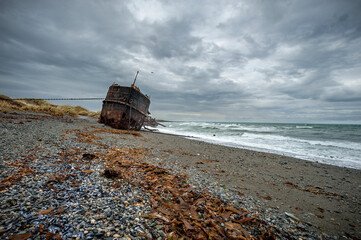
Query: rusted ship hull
124	108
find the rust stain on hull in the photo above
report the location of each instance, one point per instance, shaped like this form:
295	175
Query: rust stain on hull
124	107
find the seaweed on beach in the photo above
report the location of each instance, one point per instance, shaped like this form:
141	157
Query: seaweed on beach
16	177
185	212
51	211
48	235
87	136
21	236
314	190
22	170
116	131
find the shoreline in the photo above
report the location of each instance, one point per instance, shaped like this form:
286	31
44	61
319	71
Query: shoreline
324	196
325	161
191	138
299	198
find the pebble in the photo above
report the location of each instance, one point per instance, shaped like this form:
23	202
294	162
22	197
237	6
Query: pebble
88	206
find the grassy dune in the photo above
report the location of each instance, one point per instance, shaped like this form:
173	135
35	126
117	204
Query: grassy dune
40	106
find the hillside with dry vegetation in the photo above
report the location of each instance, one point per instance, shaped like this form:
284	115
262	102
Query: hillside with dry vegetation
41	106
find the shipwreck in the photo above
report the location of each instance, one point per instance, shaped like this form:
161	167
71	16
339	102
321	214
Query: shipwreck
125	107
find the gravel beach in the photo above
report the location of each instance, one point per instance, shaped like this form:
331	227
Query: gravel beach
54	185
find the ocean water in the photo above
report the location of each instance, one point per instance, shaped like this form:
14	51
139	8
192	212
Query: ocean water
338	145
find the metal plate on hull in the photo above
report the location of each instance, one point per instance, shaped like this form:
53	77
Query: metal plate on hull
124	108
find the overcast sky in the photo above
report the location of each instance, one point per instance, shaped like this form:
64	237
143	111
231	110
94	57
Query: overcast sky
264	61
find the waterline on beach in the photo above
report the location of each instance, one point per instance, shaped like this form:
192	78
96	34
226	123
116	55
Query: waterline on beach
338	145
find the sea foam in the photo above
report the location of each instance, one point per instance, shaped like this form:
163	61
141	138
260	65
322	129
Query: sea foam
338	145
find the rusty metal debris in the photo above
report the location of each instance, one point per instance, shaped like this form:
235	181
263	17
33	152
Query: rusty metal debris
125	107
151	122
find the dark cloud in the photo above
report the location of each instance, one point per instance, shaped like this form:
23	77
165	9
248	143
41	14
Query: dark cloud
216	60
172	40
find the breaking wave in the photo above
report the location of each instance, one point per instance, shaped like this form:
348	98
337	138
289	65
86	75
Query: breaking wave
332	144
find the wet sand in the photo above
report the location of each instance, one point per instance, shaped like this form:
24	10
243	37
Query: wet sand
322	196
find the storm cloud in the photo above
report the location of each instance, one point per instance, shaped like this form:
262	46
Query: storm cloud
267	61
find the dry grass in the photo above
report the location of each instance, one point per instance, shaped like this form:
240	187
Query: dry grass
40	106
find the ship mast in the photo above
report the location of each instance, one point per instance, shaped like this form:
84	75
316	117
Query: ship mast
135	79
